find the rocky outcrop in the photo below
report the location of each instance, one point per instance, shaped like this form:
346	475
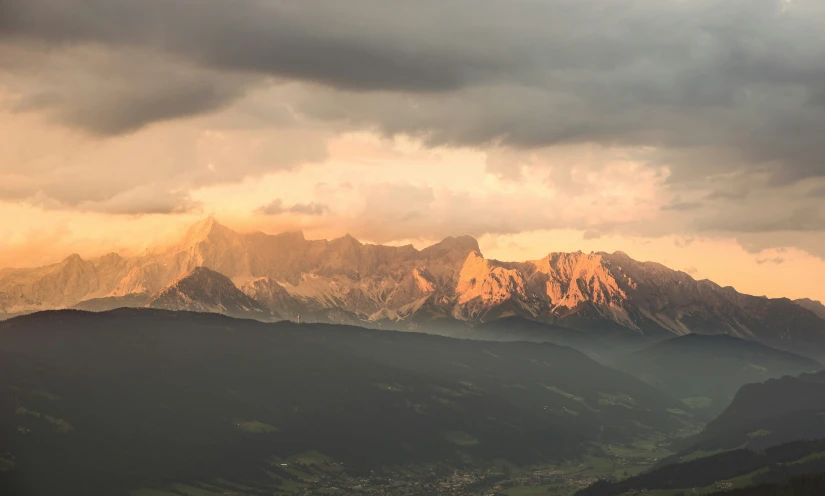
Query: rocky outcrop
271	295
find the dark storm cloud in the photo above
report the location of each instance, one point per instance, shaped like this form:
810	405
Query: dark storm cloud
719	84
118	112
362	45
107	92
768	218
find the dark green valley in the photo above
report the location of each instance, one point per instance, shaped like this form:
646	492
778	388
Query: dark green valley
149	400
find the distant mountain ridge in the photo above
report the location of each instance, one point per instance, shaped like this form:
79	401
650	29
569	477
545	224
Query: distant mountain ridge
769	413
707	371
813	305
450	282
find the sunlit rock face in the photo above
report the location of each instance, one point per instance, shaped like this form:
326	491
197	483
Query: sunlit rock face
281	276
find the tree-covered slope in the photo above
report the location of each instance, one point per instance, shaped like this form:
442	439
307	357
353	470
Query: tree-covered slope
707	371
728	470
136	398
768	413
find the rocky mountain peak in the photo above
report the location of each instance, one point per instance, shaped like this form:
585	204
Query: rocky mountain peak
201	278
73	258
459	247
575	278
488	282
294	236
348	238
264	285
110	258
273	296
345	243
204	290
202	273
813	305
208	229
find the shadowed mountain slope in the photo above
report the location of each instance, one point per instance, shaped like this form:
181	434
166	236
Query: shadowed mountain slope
724	471
769	413
107	403
707	371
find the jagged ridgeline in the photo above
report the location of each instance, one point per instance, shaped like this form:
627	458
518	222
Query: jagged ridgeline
447	287
131	399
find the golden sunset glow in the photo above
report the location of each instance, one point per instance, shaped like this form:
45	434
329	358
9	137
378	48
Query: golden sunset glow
82	169
397	192
412	247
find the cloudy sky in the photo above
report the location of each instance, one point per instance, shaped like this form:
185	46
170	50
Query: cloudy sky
689	132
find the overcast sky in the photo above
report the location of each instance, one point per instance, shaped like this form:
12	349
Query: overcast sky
684	131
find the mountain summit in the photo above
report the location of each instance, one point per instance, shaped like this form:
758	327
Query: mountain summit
813	305
343	280
204	290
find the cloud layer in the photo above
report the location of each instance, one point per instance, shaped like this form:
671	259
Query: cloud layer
717	104
277	207
744	78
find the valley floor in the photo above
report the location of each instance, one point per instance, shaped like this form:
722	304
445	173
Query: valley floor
313	474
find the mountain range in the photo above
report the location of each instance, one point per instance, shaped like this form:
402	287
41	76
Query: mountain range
277	277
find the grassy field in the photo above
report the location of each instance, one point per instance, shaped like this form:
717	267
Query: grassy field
530	491
6	464
460	438
698	402
615	461
699	454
